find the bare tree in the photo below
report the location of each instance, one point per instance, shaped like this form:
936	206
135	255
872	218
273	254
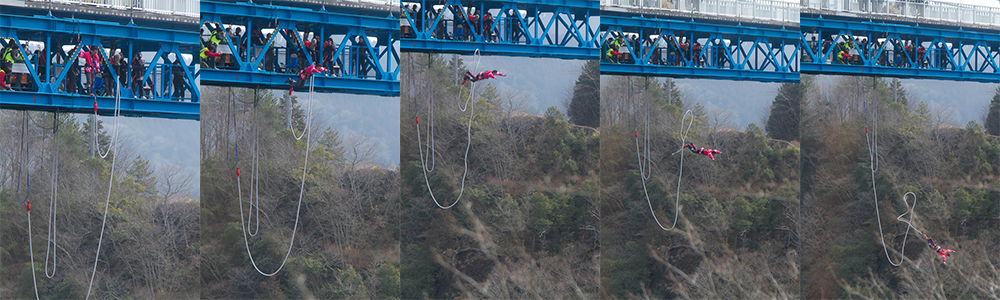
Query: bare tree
360	151
942	116
173	182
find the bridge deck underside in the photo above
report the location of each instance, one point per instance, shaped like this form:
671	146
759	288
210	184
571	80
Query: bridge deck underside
361	54
44	76
844	46
698	49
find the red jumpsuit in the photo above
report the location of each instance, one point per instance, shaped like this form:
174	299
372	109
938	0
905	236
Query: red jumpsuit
482	75
702	151
303	75
944	253
941	251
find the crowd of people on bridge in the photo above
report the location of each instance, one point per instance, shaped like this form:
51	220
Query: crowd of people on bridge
458	24
299	51
667	50
887	52
90	71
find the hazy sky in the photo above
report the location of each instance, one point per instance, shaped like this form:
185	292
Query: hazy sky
546	81
745	100
162	142
373	117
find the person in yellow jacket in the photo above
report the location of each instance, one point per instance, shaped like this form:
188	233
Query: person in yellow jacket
208	56
613	52
7	56
216	37
608	54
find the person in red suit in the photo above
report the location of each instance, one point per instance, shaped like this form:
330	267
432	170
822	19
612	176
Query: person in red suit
303	75
941	251
702	151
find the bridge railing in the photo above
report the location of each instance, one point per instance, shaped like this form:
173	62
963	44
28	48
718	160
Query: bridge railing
769	10
941	11
393	3
188	8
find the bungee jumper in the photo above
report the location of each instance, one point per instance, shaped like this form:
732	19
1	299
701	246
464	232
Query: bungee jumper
941	251
702	151
482	75
303	75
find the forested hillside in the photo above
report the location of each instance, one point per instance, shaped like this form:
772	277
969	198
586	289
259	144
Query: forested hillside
526	224
150	244
736	236
953	172
345	245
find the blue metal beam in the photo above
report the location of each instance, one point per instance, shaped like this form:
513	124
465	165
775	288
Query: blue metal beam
209	10
553	29
10	23
853	70
49	88
943	54
354	76
696	72
808	22
84	104
748	29
571	4
322	84
729	51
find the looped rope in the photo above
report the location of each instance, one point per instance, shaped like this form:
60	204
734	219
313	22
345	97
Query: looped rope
23	148
20	167
413	114
873	166
306	126
231	119
111	178
680	171
462	88
117	112
243	223
471	105
430	124
254	203
50	240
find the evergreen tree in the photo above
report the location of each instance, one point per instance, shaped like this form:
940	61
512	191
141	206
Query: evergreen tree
899	96
674	96
993	116
783	123
585	106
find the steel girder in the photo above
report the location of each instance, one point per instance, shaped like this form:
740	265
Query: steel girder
46	91
531	28
729	51
366	68
947	54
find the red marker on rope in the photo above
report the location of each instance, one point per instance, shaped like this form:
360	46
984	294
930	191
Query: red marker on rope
866	129
95	106
237	171
636	134
29	206
418	120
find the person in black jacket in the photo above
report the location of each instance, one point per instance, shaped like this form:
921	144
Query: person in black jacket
138	70
178	79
